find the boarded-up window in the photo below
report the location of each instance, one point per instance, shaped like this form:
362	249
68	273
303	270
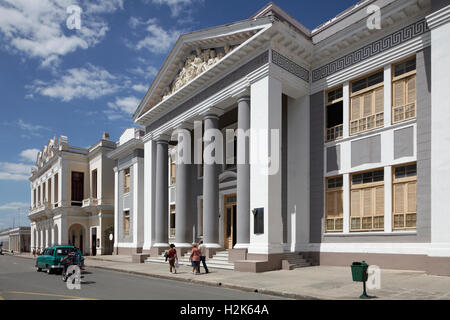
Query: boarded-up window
404	91
367	201
334	205
404	198
367	104
126	182
173	173
126	223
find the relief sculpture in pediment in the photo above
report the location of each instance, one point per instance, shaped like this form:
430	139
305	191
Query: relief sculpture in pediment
195	65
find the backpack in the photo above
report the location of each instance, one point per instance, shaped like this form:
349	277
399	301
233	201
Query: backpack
166	255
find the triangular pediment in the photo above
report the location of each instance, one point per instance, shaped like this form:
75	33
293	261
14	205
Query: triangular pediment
194	54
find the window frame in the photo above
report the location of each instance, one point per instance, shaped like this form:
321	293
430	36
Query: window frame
337	217
365	186
405	181
405	77
126	233
361	93
126	186
327	104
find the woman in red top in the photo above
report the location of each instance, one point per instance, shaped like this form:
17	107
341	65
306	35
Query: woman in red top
172	258
195	259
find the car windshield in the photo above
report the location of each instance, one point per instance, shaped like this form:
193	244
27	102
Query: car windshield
63	251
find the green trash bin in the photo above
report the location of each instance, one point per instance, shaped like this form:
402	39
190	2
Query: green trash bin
360	274
359	271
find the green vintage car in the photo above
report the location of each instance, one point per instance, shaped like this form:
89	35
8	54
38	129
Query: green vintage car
51	257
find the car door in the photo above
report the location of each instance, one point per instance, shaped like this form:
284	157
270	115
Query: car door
41	259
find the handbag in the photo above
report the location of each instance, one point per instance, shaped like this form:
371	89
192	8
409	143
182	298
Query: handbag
176	264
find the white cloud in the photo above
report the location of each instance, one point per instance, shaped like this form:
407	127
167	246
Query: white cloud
91	82
148	72
157	39
14	171
29	154
127	105
140	88
176	6
38	28
31	129
14	206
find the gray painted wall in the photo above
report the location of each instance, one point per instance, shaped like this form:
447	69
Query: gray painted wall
333	158
366	150
423	63
404	143
423	234
316	166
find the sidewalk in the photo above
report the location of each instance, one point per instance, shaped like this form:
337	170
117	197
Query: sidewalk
320	282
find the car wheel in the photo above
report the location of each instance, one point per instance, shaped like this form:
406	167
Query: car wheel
49	270
39	269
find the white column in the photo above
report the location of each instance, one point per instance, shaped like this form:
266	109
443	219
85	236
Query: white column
32	237
52	191
62	184
116	208
439	23
346	109
387	95
149	192
138	212
265	184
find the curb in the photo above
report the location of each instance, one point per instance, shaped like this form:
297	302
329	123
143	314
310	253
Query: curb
286	295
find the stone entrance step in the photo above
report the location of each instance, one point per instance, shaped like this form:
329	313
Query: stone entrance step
218	261
293	260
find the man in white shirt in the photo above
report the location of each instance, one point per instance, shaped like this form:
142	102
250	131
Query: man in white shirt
202	249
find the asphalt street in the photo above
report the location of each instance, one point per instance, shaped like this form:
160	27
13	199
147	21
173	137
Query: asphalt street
19	280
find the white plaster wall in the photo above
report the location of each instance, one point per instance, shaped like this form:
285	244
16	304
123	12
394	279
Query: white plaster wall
149	204
298	172
440	140
265	191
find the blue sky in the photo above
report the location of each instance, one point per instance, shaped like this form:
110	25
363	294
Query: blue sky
81	83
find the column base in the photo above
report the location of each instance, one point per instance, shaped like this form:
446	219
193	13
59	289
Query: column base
257	263
157	251
237	254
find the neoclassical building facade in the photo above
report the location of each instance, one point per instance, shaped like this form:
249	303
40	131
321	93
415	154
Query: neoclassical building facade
360	114
72	197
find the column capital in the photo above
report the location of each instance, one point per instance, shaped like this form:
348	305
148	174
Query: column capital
211	112
243	93
243	98
162	138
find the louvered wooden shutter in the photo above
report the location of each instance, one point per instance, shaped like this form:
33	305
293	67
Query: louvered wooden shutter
379	100
367	110
412	197
411	90
356	108
379	202
399	94
331	203
340	201
368	202
356	203
399	198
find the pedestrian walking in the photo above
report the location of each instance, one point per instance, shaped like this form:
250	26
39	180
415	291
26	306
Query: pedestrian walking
195	259
202	249
172	257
